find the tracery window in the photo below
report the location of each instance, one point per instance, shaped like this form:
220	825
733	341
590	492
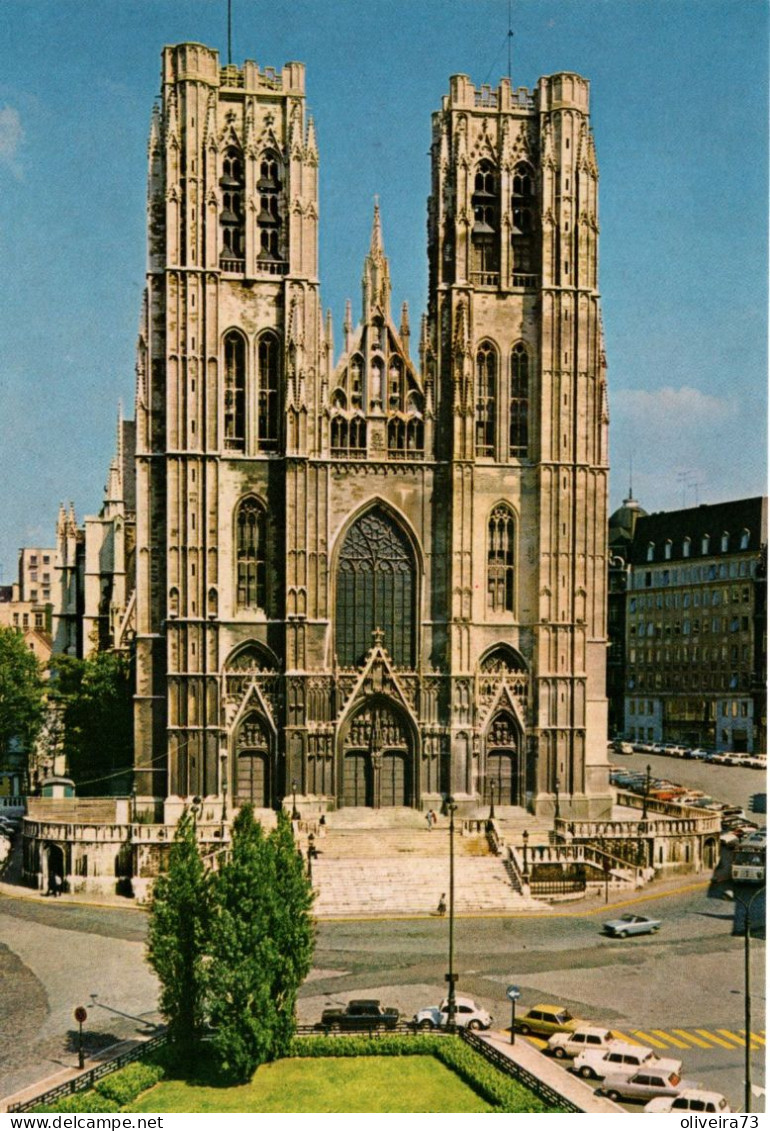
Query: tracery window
486	399
519	403
269	218
268	405
501	560
348	436
231	218
250	552
235	392
376	589
523	222
485	233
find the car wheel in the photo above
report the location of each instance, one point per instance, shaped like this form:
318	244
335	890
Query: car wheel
559	1052
474	1025
622	934
425	1024
586	1072
524	1029
654	929
613	1095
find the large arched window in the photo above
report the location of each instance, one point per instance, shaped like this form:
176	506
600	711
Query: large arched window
485	233
519	404
268	405
376	589
269	219
523	223
231	218
250	553
486	399
235	392
501	560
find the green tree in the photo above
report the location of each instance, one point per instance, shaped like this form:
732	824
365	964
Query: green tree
261	946
22	696
96	697
178	936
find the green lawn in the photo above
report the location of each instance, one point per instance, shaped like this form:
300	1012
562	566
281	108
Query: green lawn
365	1084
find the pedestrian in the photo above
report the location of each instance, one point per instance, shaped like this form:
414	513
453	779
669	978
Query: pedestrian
429	819
441	909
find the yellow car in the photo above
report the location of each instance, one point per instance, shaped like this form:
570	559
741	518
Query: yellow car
547	1019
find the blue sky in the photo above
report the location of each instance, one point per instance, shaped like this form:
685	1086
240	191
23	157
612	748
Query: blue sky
679	110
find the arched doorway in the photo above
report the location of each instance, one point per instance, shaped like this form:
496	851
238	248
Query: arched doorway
252	763
377	758
504	765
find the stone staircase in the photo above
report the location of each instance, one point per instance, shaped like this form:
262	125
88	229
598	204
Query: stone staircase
387	862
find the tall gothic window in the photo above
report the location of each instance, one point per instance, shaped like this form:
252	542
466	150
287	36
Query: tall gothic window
231	218
376	589
501	560
235	392
485	233
523	222
250	552
269	219
519	404
268	398
486	399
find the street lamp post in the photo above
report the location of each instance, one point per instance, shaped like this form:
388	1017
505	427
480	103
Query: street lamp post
294	788
451	976
525	841
747	906
646	792
310	855
492	800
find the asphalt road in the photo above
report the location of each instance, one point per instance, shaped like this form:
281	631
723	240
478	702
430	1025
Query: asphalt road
747	788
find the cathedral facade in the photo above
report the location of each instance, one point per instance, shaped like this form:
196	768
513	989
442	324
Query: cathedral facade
375	577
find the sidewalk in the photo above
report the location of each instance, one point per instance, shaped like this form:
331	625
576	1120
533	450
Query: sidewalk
551	1073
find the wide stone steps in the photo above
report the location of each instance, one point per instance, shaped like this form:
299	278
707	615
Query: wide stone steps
338	844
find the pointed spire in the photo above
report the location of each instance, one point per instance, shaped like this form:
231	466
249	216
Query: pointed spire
348	326
376	280
311	144
404	330
329	335
375	247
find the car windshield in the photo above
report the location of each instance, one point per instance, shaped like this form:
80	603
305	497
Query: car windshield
563	1016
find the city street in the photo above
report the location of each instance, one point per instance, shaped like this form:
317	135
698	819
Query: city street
725	783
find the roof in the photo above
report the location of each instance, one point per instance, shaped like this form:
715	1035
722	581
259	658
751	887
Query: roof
732	518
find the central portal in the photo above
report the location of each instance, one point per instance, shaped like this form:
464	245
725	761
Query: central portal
377	758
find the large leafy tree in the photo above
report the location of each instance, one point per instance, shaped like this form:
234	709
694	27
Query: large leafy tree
95	696
178	937
22	695
261	946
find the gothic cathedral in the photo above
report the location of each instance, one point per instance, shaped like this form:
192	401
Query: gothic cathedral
374	578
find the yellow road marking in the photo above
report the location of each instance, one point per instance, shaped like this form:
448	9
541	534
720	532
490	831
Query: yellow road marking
695	1040
755	1037
672	1040
740	1041
624	1037
648	1040
712	1037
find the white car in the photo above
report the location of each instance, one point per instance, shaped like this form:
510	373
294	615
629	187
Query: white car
693	1099
584	1037
644	1085
619	1059
468	1015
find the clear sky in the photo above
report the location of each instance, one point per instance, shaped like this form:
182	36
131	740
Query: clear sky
679	109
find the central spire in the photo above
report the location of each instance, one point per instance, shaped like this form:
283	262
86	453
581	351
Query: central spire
376	280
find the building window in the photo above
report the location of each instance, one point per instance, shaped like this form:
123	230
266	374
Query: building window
376	591
486	399
269	220
231	218
704	544
348	436
650	551
523	224
667	550
250	536
268	406
235	392
501	560
485	233
519	406
745	539
725	542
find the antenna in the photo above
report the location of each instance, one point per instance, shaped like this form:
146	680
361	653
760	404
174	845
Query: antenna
229	32
510	43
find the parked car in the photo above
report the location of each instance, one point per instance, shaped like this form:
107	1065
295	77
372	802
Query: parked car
644	1085
699	753
691	1100
631	925
620	1059
544	1020
572	1044
468	1015
364	1013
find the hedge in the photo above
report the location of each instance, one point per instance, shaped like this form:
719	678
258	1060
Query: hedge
110	1094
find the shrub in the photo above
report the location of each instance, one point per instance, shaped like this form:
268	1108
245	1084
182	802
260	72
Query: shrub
125	1085
81	1102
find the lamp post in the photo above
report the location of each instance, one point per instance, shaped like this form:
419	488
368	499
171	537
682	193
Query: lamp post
492	785
223	783
747	906
557	810
451	977
310	855
294	788
525	840
646	792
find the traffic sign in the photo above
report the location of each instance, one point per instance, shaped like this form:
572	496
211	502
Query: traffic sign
81	1015
513	993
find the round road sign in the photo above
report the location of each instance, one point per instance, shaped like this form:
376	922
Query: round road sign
513	993
80	1015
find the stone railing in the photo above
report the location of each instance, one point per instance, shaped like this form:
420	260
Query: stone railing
567	854
709	820
12	804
